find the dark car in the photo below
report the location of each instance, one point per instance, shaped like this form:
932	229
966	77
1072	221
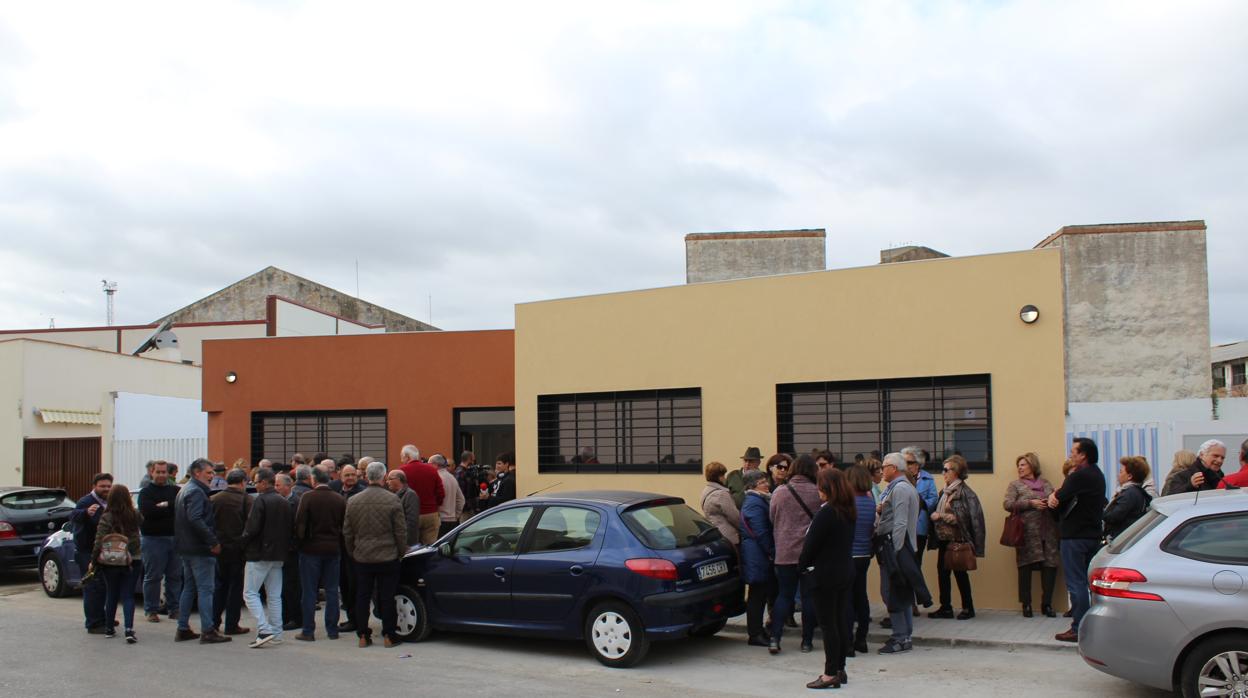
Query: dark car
60	571
616	569
27	516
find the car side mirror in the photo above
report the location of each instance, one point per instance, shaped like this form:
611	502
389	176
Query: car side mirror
445	550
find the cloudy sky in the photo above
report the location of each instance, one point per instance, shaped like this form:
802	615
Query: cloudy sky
489	154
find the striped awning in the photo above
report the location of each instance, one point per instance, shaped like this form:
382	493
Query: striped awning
69	417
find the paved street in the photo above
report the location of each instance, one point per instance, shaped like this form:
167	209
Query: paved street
46	653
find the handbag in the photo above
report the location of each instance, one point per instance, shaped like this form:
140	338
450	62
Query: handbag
1012	531
960	556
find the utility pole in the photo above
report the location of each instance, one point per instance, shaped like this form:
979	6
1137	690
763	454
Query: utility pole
110	290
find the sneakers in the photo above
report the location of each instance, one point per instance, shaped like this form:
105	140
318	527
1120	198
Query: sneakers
111	632
773	646
261	640
153	618
892	647
130	638
187	634
212	637
1068	636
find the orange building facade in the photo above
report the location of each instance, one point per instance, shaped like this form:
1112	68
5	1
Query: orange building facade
368	394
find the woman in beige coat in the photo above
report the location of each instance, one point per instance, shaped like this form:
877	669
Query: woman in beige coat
717	504
1028	497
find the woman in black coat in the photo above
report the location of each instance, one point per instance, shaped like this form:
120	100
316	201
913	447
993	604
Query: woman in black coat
827	558
1131	501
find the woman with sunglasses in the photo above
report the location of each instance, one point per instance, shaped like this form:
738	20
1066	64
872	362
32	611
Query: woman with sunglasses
959	517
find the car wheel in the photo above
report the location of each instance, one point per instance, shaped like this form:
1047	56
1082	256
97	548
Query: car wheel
412	621
710	630
615	635
1218	666
52	577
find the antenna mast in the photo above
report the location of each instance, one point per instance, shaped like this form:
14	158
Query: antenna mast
110	290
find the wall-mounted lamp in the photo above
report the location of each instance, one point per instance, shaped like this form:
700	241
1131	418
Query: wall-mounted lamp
231	377
1029	314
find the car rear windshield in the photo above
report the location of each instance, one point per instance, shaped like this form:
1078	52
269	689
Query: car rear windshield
41	499
669	526
1150	520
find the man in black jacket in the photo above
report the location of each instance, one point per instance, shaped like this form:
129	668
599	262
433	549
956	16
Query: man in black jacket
230	507
1079	504
195	538
84	520
504	487
266	540
156	504
1205	474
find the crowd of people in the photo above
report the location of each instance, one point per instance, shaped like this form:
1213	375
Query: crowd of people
807	529
281	539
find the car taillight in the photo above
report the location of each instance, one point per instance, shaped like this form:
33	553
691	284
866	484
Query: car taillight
1116	582
653	567
7	530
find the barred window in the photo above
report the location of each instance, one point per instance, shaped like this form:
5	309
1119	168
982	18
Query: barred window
642	431
943	415
280	435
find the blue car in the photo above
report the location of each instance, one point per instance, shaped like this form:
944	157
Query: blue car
60	571
27	516
615	569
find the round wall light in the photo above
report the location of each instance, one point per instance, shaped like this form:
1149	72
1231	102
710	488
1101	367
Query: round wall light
231	377
1029	314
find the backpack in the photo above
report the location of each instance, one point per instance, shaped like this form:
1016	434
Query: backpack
115	550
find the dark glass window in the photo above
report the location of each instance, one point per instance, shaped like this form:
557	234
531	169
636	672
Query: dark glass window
944	415
280	435
1237	374
643	431
1219	377
1215	539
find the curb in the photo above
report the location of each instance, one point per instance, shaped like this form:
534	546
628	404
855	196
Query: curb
878	637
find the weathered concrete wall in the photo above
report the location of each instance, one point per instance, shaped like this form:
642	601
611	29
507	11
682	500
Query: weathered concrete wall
246	300
909	253
723	256
1137	311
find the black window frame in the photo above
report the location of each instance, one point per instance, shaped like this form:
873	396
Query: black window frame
322	429
1239	373
552	429
885	413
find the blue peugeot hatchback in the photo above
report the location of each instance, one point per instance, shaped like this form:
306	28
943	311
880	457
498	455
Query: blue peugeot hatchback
616	569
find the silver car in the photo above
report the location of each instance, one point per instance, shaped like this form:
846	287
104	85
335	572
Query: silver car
1169	605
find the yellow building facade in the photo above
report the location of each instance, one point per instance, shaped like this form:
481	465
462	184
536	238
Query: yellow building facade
735	344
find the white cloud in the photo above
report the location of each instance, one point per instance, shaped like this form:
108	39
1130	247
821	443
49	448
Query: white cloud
497	153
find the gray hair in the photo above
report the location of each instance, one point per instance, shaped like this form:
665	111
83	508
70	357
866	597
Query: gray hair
751	478
284	479
375	472
264	463
399	475
438	460
1210	444
321	476
328	463
411	452
895	459
916	453
303	473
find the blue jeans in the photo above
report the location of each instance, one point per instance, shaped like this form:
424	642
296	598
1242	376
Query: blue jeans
1076	557
790	585
267	574
319	571
199	578
160	560
119	586
92	593
903	618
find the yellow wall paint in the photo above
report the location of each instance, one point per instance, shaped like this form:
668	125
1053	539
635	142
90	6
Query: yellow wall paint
737	339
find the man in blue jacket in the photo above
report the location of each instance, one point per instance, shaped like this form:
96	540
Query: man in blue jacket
925	485
195	538
85	518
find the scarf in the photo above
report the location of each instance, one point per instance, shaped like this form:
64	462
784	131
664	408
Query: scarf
1036	485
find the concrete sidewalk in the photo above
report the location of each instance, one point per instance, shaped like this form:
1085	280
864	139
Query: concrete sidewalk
996	629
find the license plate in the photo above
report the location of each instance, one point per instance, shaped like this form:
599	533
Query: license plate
714	569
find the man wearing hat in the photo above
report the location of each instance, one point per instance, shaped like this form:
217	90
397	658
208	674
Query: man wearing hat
752	459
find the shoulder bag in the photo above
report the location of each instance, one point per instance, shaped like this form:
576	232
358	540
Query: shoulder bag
1012	531
115	550
959	555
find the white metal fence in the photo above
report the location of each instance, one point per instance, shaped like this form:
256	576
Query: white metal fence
130	457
